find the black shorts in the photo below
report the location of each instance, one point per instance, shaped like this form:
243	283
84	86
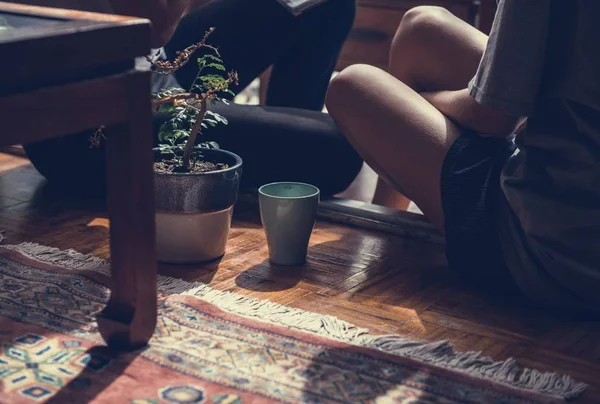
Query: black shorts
470	186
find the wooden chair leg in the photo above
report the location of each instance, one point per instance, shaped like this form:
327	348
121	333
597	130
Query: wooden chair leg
129	319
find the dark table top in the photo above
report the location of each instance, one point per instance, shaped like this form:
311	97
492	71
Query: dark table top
12	21
42	47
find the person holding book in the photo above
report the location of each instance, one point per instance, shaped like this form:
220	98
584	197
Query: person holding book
521	214
288	139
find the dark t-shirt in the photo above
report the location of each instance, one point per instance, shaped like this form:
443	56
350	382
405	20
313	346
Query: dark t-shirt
543	61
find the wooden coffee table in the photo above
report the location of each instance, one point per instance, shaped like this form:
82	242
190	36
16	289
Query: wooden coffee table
67	71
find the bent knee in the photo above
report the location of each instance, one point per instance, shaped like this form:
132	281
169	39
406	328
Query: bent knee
422	22
425	17
347	88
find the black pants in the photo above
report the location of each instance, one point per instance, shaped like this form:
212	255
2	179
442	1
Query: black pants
290	139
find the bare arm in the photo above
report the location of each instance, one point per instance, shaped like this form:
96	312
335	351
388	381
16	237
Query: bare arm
506	86
164	15
460	107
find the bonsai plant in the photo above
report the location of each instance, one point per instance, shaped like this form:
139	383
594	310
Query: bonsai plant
196	183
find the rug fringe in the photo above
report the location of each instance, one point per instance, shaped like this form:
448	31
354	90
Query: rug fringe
68	259
440	354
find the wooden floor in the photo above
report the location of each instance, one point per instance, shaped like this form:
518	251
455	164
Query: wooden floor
385	283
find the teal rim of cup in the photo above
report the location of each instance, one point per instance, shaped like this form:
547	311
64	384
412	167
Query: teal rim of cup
314	190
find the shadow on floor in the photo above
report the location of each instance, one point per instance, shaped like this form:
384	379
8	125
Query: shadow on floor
268	277
104	366
191	272
348	375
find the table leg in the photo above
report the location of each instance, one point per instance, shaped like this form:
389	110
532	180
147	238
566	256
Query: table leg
129	319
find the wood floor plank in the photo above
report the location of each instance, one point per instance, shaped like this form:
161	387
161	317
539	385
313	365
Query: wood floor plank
388	284
377	321
9	163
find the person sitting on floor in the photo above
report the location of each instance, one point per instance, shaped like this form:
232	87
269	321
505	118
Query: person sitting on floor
520	213
289	139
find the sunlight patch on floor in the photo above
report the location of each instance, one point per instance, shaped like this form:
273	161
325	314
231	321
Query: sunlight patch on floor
99	222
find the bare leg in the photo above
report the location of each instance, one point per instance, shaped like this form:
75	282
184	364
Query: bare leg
386	195
397	132
432	50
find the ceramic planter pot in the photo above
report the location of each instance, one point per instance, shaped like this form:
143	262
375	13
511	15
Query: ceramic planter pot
193	210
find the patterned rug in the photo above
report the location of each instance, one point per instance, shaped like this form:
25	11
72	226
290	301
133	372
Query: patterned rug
216	347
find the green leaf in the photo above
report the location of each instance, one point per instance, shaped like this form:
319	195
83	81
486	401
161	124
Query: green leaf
217	117
168	92
180	134
217	66
165	109
209	145
213	57
211	122
163	132
167	150
212	77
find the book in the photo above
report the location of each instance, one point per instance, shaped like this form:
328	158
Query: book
297	7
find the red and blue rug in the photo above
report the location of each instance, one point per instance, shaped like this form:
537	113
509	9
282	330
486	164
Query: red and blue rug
216	347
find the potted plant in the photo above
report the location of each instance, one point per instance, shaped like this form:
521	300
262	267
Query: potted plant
196	183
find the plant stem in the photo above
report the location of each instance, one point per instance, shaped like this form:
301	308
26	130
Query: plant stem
191	141
183	57
191	90
172	98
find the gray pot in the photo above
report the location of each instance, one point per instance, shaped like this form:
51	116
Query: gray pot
193	210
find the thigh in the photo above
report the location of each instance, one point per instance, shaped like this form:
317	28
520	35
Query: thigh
250	35
435	50
287	144
397	132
